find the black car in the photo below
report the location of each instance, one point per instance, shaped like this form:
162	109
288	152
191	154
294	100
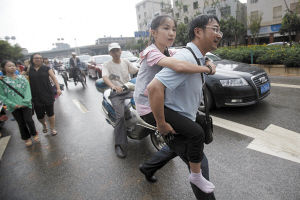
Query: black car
235	84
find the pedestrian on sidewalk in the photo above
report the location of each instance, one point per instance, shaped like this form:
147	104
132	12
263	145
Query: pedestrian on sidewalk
16	95
42	91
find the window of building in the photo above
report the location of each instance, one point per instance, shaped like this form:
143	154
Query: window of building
185	8
277	12
139	16
295	7
186	20
177	15
176	3
211	12
144	5
254	15
225	11
253	1
195	5
138	8
145	14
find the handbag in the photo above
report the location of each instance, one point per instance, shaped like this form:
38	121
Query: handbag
204	119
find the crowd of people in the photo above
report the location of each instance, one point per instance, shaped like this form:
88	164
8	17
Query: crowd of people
26	90
164	81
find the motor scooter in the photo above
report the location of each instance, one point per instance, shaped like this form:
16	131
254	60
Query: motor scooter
136	127
77	76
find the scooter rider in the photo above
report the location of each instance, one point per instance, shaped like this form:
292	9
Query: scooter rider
74	65
115	73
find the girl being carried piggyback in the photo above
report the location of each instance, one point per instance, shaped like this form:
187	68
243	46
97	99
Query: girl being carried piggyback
153	59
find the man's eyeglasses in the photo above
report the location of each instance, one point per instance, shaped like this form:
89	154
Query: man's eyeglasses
37	58
216	30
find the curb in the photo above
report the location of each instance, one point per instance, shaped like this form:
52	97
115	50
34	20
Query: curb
279	70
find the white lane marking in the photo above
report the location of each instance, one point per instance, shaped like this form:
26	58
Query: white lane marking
278	142
3	144
79	105
285	85
274	140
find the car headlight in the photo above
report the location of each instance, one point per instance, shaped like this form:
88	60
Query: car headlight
234	82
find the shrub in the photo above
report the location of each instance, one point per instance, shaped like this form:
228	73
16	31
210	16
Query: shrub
289	56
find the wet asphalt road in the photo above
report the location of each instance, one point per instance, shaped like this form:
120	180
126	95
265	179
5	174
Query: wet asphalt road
80	163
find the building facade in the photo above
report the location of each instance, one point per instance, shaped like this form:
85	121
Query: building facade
272	12
146	10
186	10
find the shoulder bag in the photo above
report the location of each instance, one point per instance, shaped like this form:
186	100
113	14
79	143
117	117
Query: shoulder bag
11	87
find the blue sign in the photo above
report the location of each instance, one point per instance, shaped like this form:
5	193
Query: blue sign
275	28
141	34
267	29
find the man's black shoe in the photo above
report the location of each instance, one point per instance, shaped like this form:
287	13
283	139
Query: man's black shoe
149	177
120	153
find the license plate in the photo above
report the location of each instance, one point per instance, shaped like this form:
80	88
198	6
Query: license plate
264	88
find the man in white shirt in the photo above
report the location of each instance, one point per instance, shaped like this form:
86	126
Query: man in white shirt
115	73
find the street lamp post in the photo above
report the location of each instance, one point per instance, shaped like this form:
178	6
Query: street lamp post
77	49
13	38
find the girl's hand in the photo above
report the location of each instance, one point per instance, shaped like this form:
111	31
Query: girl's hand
18	106
58	92
212	67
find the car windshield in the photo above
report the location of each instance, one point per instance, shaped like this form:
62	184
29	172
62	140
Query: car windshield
85	58
102	59
126	54
213	57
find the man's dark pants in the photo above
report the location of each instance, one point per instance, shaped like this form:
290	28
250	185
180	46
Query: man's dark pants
162	157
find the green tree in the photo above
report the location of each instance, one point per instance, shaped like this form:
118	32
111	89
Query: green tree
227	31
254	25
290	24
232	30
181	35
9	52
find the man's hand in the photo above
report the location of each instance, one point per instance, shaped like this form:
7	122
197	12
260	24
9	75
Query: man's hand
165	128
118	89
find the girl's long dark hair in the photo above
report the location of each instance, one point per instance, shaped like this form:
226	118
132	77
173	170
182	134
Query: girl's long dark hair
156	22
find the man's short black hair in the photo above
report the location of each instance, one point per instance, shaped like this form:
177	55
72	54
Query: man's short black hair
200	22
